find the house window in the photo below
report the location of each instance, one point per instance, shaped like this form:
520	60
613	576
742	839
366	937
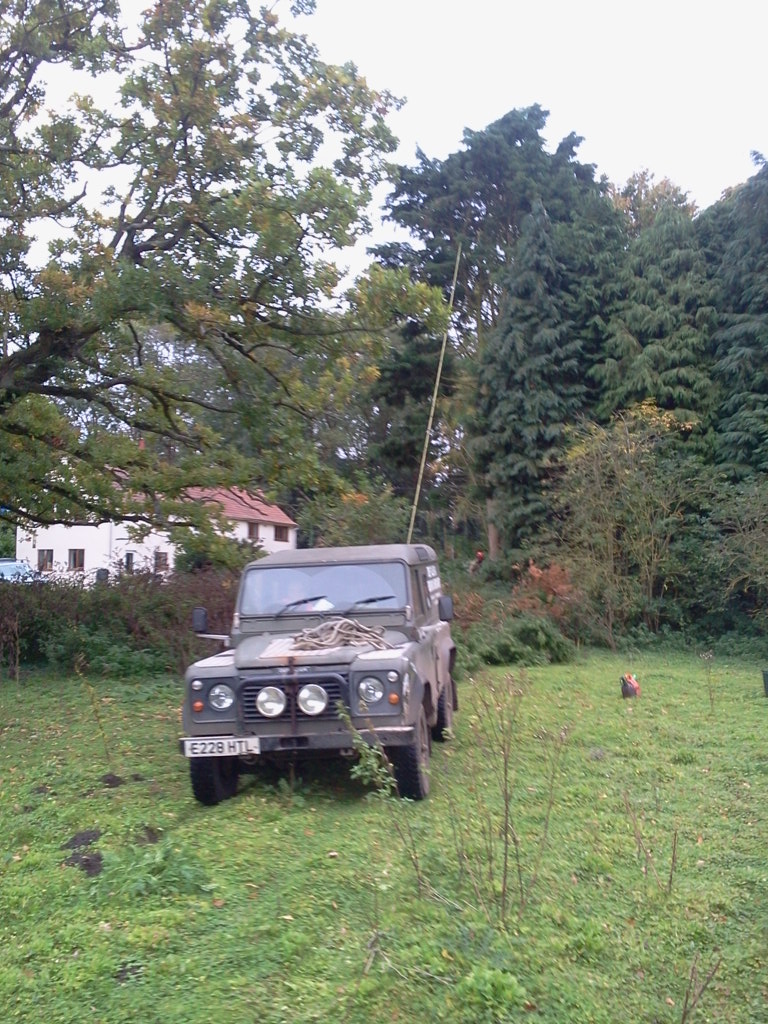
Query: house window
161	561
281	533
253	531
129	561
76	559
45	560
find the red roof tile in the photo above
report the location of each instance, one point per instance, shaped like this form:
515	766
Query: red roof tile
241	506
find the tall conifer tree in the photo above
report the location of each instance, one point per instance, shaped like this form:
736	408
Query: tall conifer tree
735	236
659	337
529	387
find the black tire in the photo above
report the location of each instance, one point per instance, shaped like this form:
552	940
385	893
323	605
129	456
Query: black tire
445	705
213	778
411	764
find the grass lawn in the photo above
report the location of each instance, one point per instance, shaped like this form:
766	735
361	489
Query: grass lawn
581	858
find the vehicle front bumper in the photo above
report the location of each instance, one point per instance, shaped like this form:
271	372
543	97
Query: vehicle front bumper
254	746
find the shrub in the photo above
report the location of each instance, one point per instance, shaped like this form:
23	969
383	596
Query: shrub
489	994
160	871
521	639
370	513
548	591
132	624
85	648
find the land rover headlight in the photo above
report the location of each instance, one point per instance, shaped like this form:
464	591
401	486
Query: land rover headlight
221	697
312	699
271	702
370	690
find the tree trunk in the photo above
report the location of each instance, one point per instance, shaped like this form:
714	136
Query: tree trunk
493	532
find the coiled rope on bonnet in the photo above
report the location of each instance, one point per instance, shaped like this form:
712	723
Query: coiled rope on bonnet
340	633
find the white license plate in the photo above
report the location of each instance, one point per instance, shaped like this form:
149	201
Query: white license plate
221	746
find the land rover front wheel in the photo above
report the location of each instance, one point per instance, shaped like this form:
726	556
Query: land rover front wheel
213	778
411	764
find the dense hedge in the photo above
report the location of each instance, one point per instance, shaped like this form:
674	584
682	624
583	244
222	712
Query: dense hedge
132	624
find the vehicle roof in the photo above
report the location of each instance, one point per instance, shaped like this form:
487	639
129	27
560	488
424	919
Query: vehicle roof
411	554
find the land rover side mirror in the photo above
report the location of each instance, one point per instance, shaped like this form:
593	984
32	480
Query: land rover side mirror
445	608
200	620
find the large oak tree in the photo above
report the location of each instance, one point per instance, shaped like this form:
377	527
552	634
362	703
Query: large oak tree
191	214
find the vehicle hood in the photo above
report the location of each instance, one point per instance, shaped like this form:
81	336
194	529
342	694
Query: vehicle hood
266	650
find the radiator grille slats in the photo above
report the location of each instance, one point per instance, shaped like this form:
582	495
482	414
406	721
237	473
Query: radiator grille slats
335	686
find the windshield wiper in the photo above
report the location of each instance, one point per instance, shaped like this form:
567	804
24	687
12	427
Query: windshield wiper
301	600
368	600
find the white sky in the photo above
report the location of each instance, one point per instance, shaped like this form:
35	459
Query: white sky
677	87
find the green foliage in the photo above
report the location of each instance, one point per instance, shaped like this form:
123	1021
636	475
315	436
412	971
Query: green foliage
641	199
159	870
7	540
77	647
489	995
625	492
203	551
213	166
399	402
370	514
517	640
658	342
733	235
742	549
481	198
478	197
136	624
127	376
529	387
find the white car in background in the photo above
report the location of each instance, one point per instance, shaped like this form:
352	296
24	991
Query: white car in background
16	571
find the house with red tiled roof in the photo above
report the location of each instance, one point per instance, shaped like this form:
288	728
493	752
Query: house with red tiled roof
86	549
252	516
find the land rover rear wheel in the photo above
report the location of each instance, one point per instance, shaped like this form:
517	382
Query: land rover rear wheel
213	778
411	764
445	704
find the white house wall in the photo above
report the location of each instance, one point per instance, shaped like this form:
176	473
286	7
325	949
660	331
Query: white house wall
266	537
105	546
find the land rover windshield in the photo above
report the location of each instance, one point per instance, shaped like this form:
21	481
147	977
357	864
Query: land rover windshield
285	590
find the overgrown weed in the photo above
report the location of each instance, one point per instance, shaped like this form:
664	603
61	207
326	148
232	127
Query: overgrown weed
490	858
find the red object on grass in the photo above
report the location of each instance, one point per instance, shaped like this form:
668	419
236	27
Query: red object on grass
629	686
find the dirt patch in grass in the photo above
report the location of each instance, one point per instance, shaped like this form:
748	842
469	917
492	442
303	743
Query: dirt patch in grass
89	861
148	836
81	839
112	781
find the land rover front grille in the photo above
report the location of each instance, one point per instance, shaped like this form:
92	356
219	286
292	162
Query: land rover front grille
335	686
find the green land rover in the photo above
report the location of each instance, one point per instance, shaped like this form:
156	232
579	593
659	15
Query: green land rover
325	643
